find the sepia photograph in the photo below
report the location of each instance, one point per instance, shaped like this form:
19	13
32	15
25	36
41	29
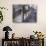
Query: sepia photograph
24	13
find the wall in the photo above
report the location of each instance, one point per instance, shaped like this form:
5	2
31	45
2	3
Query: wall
22	29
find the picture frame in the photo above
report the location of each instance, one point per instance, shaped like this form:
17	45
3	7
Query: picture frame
24	13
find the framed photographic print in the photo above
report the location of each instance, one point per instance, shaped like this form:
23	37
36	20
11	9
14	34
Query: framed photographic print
24	13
